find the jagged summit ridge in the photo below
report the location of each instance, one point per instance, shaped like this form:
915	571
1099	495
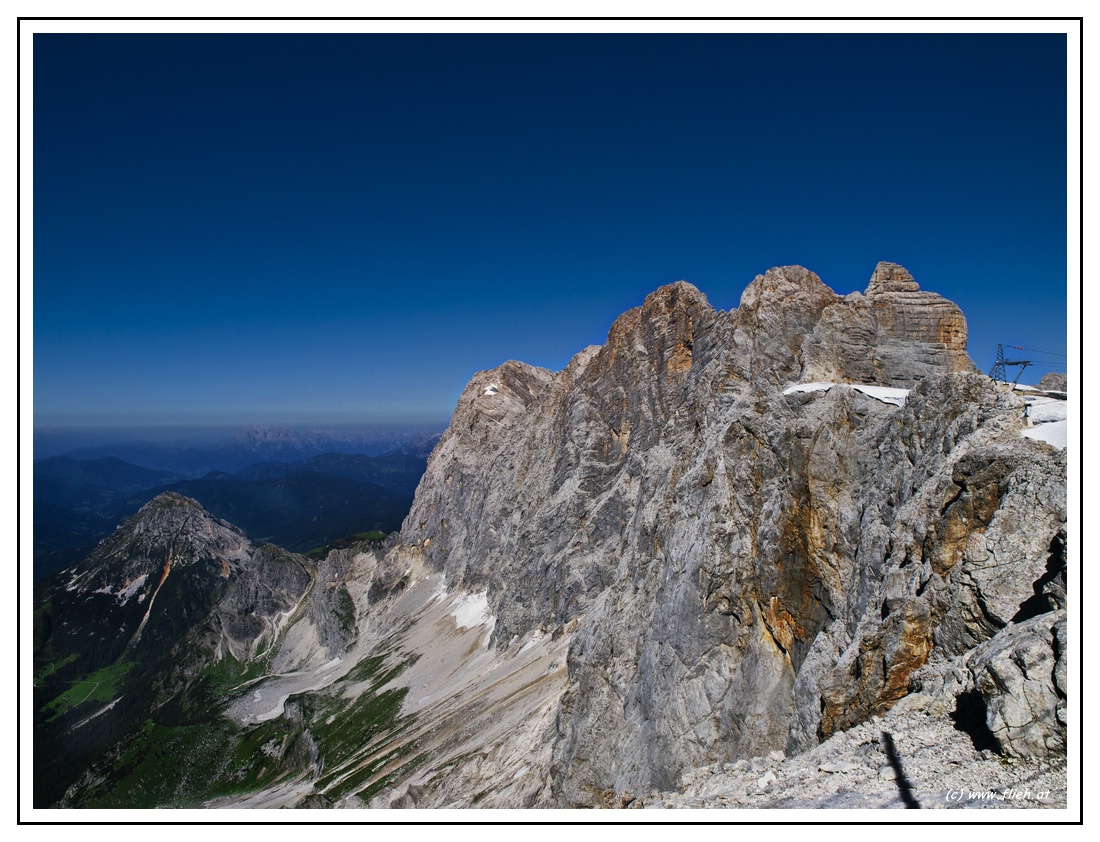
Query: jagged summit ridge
672	360
791	327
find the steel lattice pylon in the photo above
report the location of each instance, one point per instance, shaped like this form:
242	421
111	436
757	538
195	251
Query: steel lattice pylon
999	373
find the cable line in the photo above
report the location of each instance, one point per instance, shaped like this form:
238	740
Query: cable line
1032	350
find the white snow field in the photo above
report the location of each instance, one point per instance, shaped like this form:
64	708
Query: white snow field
886	394
1050	417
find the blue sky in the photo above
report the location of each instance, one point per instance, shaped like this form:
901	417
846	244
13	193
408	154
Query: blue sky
295	229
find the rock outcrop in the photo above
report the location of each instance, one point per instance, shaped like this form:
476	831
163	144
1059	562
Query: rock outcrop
893	333
912	756
1053	381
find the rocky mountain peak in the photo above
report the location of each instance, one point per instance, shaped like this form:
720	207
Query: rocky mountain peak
170	504
890	277
921	326
173	566
497	396
777	312
784	287
668	310
675	300
660	335
170	531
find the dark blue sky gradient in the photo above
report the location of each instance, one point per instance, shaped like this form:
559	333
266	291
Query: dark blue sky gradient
344	228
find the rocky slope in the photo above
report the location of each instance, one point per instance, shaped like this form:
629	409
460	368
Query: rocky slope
722	546
913	757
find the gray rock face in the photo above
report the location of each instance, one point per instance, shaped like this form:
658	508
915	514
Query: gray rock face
746	571
1021	675
1053	381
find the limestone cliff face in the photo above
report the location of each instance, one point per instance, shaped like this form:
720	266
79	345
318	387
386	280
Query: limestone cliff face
743	568
894	333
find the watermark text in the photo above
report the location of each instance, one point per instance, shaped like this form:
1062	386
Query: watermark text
955	796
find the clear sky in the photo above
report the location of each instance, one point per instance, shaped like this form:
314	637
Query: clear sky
297	229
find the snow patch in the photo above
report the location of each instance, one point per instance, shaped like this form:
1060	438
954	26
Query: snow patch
536	637
472	610
1050	417
440	591
127	592
1046	410
76	580
491	390
808	387
123	595
886	394
1055	433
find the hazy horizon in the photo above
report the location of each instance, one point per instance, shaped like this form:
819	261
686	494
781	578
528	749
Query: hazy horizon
65	440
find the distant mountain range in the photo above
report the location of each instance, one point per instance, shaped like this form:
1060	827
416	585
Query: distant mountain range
398	471
190	460
299	504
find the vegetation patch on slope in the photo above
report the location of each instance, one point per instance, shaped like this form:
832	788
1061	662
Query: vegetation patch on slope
353	729
185	765
100	686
